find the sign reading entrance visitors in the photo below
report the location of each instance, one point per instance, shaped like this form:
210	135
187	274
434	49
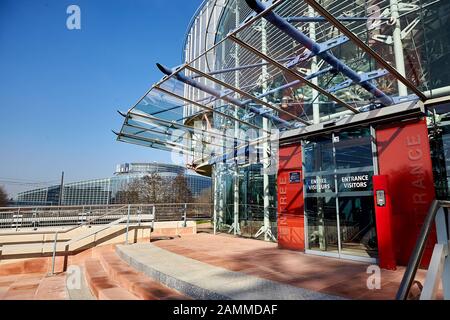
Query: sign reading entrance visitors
295	177
358	182
349	182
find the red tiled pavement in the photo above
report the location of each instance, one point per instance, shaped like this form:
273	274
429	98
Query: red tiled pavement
108	276
32	287
328	275
29	280
119	274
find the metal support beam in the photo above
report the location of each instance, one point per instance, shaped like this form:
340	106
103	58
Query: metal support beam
237	84
314	47
222	158
250	97
266	143
218	94
147	119
238	68
315	94
168	134
398	47
309	19
324	46
294	74
365	47
366	76
209	108
282	87
221	199
215	197
167	144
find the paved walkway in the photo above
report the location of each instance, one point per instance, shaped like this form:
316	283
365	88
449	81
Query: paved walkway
264	260
33	287
204	281
207	266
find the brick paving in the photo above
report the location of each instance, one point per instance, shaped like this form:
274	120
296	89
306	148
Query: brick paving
108	278
322	274
34	286
29	280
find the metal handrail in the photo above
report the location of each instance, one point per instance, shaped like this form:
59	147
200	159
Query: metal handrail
93	206
83	223
416	256
79	226
118	219
110	224
87	222
35	217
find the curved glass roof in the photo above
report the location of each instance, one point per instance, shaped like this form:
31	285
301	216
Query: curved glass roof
287	65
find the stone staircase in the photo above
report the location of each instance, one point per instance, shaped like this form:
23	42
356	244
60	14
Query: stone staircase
110	278
105	276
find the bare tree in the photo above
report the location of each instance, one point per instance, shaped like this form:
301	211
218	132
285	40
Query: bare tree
3	197
181	193
152	186
146	190
155	189
205	196
131	193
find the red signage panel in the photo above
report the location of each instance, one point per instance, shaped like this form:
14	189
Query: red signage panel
404	157
290	198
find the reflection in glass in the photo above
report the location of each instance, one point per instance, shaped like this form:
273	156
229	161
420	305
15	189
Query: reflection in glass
322	223
338	172
353	149
357	226
318	155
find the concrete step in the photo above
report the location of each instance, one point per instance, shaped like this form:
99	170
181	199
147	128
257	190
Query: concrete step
102	286
204	281
133	281
25	266
33	286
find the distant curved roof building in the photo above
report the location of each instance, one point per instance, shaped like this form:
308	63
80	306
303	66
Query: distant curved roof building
107	191
152	167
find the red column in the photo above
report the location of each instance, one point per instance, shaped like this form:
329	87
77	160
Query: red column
290	198
383	216
404	157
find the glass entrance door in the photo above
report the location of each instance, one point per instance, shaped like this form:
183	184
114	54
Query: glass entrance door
339	204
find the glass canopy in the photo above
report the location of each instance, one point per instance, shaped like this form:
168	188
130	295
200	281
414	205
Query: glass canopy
289	64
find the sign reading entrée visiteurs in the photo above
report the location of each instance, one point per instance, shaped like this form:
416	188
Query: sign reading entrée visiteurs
319	184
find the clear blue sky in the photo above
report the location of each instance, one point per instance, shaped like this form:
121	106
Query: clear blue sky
60	88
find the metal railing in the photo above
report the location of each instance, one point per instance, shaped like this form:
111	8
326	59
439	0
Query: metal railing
105	216
24	218
439	268
251	212
250	220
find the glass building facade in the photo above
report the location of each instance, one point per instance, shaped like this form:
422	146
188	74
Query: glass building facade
109	190
425	52
327	77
